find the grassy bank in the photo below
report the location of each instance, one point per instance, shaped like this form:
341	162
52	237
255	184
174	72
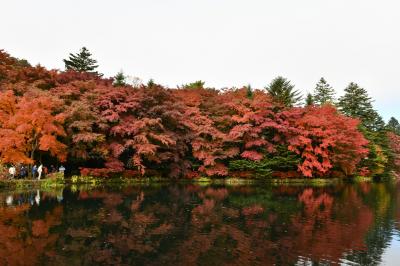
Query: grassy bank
29	183
89	181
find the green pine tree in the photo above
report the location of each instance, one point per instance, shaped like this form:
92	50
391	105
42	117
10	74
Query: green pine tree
393	125
282	91
356	103
119	79
310	100
151	83
249	91
81	62
323	93
199	84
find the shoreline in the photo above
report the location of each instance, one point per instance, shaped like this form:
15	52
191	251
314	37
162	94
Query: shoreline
204	181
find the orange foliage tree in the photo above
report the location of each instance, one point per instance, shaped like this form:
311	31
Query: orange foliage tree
325	140
28	125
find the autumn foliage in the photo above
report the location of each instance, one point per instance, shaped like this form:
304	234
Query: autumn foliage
184	132
394	142
28	125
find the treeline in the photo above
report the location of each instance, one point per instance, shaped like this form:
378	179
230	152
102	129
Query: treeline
106	127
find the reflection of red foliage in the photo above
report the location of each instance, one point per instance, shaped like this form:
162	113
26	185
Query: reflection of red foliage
205	208
218	194
39	228
18	244
317	231
320	224
365	187
334	237
398	204
252	210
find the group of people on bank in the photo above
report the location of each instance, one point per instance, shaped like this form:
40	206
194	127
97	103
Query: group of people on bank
38	171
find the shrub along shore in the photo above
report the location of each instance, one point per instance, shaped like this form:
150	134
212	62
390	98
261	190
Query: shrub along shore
107	128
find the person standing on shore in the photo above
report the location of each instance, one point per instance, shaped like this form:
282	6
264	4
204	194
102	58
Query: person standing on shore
22	171
12	171
40	170
61	170
34	170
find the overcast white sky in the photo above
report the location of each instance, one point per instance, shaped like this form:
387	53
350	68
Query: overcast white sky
223	42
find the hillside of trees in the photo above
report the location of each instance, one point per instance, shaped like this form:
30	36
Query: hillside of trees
107	127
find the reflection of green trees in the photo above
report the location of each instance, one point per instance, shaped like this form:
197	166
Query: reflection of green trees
273	203
381	198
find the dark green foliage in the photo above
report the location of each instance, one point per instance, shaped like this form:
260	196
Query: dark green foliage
282	91
194	85
283	160
356	103
379	124
151	83
309	100
119	79
323	93
81	62
379	154
257	167
393	126
22	62
249	91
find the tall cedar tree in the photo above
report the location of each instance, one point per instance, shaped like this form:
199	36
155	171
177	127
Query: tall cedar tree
356	103
119	79
283	92
249	90
393	126
310	100
82	62
323	93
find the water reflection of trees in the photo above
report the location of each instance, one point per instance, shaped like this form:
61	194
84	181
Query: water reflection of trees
398	209
186	225
382	200
23	241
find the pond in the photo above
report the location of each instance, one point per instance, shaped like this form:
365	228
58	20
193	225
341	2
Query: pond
188	224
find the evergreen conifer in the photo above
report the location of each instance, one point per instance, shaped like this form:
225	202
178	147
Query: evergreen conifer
309	100
323	93
81	62
119	79
393	125
282	91
356	103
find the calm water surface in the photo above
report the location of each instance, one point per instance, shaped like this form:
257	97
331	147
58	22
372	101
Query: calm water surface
350	224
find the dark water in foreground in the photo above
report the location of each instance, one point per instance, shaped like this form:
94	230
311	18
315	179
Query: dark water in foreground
354	224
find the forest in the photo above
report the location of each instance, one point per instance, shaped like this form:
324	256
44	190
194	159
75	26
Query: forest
107	127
